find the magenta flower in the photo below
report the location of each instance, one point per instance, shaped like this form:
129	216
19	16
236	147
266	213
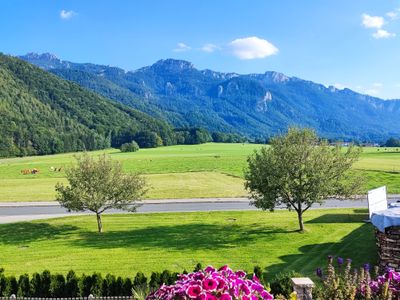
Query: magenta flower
213	284
241	274
210	269
210	297
223	268
210	284
194	291
225	296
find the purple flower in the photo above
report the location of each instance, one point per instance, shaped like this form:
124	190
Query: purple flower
340	261
318	272
366	267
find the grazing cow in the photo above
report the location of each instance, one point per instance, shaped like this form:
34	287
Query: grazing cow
34	171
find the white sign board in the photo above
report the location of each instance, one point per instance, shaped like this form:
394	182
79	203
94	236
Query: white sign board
377	200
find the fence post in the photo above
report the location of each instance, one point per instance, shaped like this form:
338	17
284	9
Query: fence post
303	287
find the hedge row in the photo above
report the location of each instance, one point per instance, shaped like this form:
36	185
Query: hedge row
47	285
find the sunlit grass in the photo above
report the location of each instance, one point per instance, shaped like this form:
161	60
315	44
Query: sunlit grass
179	164
176	241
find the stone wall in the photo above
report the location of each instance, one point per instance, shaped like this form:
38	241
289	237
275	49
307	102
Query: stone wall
388	244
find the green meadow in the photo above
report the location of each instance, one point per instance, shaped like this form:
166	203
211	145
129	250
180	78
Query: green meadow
153	242
183	171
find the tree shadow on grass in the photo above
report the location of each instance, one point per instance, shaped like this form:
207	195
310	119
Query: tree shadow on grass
25	233
356	217
358	245
179	237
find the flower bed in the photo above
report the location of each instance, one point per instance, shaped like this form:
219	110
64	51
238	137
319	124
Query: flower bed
340	281
213	284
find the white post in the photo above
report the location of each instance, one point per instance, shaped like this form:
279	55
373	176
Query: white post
13	297
303	288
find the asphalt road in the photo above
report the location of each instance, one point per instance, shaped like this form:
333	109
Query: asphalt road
16	212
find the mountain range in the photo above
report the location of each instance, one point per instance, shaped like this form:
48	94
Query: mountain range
253	105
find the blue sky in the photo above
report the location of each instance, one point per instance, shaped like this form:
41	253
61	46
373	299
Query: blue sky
353	44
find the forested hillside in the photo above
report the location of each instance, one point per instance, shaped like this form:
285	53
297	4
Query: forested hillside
42	114
255	105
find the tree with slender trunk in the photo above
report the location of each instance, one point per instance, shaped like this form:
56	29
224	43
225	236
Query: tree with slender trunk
298	169
98	185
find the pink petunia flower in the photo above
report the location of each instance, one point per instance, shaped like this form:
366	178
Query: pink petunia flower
210	284
225	296
194	291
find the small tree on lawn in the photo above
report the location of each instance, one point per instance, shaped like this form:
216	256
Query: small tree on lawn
298	170
99	185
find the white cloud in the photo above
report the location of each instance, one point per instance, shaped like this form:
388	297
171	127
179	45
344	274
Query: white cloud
209	48
251	48
372	21
383	34
339	86
182	47
373	89
392	15
371	92
67	14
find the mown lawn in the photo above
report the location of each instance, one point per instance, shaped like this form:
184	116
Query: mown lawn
195	171
153	242
161	186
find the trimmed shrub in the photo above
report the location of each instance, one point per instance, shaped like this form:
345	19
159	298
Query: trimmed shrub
3	283
282	284
91	285
36	285
45	284
109	285
12	286
140	281
155	281
57	286
24	289
71	285
127	287
119	286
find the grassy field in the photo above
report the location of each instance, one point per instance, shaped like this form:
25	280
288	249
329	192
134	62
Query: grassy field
153	242
198	171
